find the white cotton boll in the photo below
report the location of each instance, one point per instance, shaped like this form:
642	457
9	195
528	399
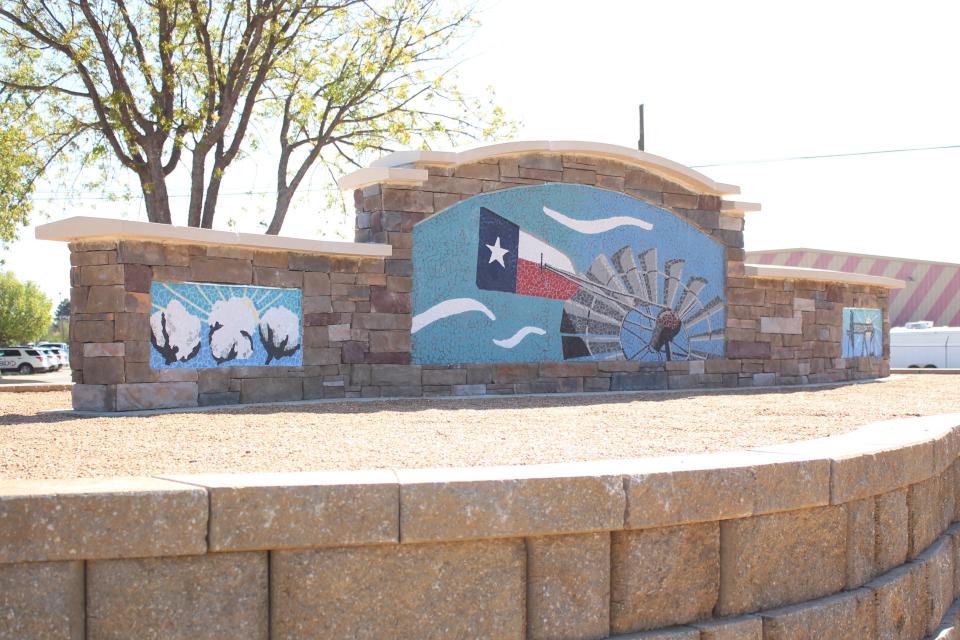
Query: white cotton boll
279	333
176	333
232	323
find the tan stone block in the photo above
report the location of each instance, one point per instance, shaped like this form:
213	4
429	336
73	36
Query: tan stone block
251	511
107	518
227	270
219	596
673	633
101	275
892	541
568	587
699	488
923	508
102	349
42	601
781	325
901	603
457	504
937	562
846	616
480	171
954	533
93	397
458	590
105	299
742	628
865	464
141	396
861	542
663	576
782	558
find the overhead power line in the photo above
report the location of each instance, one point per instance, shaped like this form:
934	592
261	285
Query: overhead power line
826	155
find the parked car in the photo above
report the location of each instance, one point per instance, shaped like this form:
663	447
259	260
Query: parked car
24	360
56	357
920	345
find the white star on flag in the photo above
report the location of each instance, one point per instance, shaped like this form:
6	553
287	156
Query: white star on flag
497	252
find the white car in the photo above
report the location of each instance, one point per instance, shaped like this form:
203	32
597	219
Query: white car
24	360
57	359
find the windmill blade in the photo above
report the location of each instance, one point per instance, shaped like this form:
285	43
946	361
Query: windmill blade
578	310
705	336
690	295
604	273
626	265
648	264
709	309
695	354
673	270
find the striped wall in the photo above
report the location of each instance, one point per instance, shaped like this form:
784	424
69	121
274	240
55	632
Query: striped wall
932	291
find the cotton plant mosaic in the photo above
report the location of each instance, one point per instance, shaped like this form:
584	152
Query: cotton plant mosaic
199	325
862	332
563	272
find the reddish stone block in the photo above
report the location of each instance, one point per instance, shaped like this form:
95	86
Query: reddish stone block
136	277
737	349
388	358
383	301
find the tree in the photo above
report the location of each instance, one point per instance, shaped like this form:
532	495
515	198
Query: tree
63	309
156	84
24	311
19	163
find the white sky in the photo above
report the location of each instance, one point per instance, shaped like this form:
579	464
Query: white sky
722	82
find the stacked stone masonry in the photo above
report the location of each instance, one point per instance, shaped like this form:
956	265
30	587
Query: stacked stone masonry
357	311
791	543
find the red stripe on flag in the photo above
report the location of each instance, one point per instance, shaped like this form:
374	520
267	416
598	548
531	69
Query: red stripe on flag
535	281
768	258
919	292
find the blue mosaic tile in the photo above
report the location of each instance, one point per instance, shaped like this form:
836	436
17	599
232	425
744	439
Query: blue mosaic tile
200	325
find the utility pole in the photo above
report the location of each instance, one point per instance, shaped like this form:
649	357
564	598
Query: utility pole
640	139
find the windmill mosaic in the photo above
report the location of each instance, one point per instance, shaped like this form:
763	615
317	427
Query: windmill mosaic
564	272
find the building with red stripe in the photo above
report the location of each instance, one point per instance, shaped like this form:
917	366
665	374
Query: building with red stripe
932	291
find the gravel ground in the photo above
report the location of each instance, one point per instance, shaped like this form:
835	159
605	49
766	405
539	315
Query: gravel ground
443	433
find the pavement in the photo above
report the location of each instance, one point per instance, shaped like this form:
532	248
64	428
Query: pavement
36	381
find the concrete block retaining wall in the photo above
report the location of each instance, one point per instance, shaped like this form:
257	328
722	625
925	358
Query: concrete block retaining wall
847	537
357	309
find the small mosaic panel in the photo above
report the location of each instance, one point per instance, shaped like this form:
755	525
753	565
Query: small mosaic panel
199	325
862	333
564	272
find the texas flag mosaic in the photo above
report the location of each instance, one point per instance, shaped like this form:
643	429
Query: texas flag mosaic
510	259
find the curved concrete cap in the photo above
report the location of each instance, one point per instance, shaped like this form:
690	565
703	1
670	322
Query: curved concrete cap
778	272
394	163
91	228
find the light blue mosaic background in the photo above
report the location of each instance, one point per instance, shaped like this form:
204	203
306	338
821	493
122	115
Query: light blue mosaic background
445	264
856	341
198	299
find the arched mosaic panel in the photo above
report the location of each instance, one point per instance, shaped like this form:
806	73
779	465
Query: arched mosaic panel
563	272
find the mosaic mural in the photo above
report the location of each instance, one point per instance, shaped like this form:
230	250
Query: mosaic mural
862	332
198	325
563	272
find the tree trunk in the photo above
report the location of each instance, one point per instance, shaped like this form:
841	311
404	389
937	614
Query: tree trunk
210	204
196	185
155	195
280	211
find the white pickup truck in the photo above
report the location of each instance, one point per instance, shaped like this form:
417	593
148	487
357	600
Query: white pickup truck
920	345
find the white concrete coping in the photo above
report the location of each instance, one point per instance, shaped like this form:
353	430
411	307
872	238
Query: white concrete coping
91	228
738	208
399	161
778	272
